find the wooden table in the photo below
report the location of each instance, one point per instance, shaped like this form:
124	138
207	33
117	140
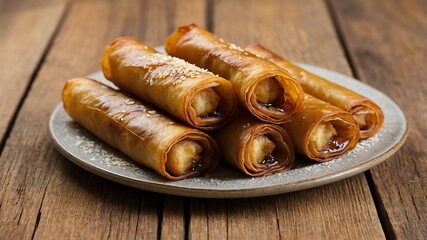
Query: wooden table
44	43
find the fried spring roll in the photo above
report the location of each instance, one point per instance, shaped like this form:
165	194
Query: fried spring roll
256	148
368	114
321	131
148	137
264	89
181	89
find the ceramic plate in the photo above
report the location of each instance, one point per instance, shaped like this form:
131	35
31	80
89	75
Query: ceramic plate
90	153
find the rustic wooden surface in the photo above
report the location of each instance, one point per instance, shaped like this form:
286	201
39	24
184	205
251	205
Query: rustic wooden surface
26	31
44	43
387	45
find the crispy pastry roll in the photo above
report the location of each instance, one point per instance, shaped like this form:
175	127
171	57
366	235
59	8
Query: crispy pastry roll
264	89
368	114
148	137
256	148
321	131
189	93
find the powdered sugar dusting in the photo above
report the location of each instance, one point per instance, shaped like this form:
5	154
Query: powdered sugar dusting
95	149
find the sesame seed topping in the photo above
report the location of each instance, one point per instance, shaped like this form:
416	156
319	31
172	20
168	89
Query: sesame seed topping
165	66
130	102
177	81
235	47
152	112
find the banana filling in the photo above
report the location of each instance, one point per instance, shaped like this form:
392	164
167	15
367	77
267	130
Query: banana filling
361	119
364	120
268	93
206	102
262	151
324	137
183	156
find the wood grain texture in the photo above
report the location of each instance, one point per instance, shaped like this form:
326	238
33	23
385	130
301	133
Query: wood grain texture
387	43
173	222
208	219
41	193
253	218
26	29
301	31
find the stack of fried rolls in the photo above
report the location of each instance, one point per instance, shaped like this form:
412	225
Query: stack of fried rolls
173	101
191	94
368	114
264	89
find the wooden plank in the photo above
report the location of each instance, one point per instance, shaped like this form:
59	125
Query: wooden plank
302	31
26	28
387	43
205	212
43	194
173	222
79	205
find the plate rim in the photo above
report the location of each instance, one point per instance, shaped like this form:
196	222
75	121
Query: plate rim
258	191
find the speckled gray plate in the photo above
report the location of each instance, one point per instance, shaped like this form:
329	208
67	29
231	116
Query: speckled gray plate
90	153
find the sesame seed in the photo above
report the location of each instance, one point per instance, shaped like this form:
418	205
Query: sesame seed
152	112
130	102
240	58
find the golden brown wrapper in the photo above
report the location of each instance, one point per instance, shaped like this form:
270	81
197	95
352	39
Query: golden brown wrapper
313	122
368	114
168	83
239	139
265	90
135	129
